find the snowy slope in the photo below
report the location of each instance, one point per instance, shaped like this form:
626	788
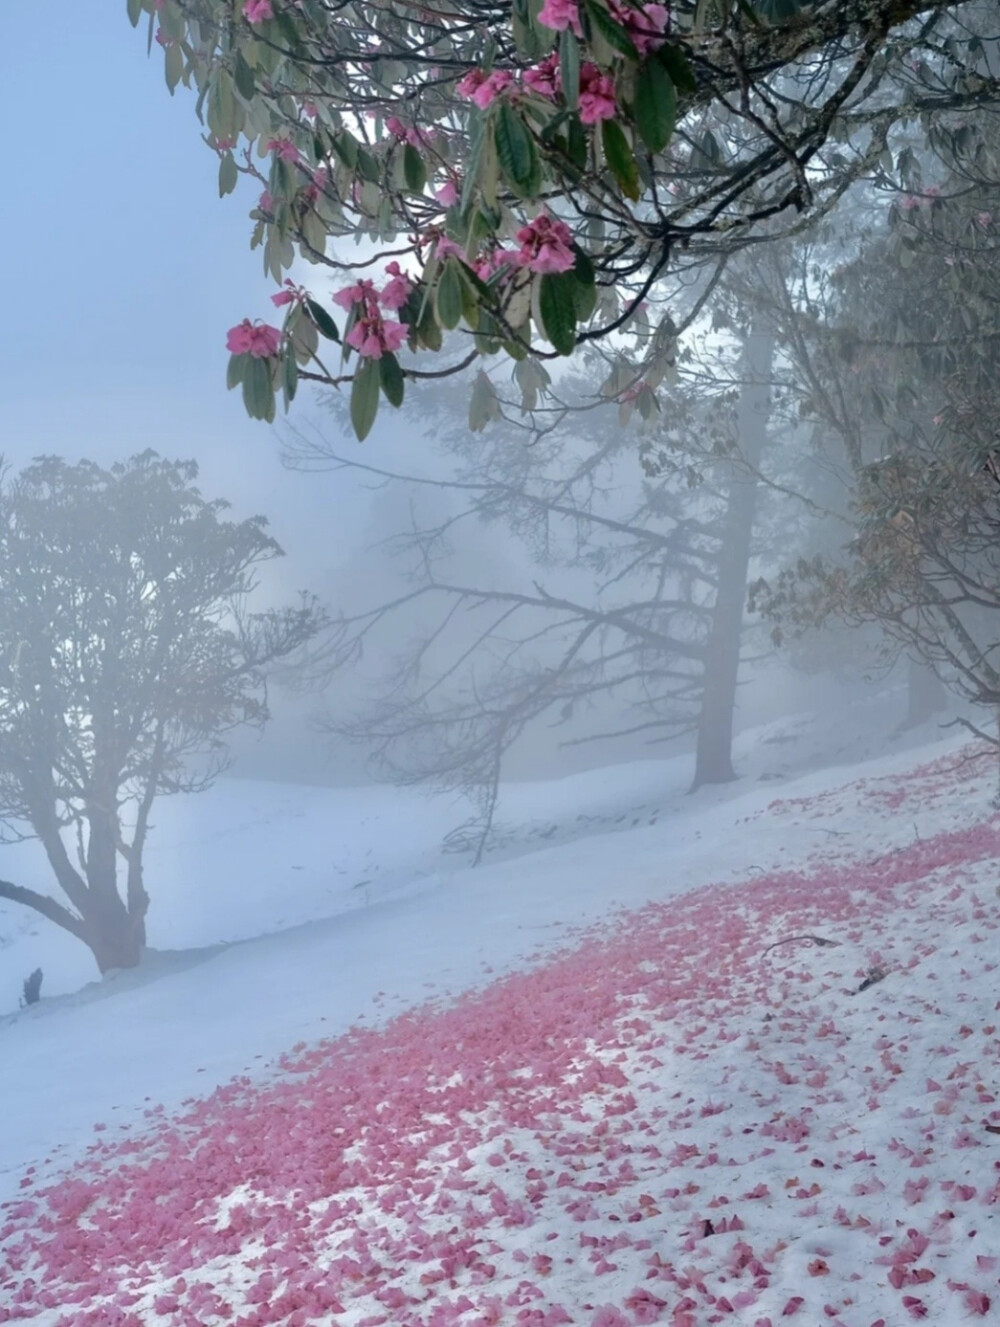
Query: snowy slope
613	1087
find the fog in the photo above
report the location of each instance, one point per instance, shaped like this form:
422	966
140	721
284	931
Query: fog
447	772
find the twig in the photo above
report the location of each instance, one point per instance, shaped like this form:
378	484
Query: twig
817	940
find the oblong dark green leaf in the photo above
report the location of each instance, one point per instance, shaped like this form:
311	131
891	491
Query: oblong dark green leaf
557	305
234	370
569	67
289	374
448	297
243	78
391	379
676	64
516	151
618	155
414	169
613	33
258	388
364	397
228	174
655	104
323	321
134	12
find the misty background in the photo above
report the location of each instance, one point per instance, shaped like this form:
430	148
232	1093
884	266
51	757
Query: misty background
123	272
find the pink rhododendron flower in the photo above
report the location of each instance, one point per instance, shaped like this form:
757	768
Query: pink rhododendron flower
290	295
560	15
545	245
544	79
256	11
445	247
374	336
265	202
447	195
397	292
597	95
362	293
257	339
284	148
608	1316
488	263
483	89
646	26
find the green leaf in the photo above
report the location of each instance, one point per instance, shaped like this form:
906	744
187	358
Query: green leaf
448	297
258	388
228	174
391	379
289	375
675	62
569	67
474	160
483	404
584	286
367	165
613	33
655	104
234	370
576	142
414	169
516	151
557	305
364	397
134	12
346	149
618	155
243	78
173	66
323	321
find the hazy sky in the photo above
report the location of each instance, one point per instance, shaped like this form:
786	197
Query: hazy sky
123	269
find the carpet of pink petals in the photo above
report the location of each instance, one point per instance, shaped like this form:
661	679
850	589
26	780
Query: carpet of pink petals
668	1123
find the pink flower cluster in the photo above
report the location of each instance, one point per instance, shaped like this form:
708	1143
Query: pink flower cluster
283	148
597	89
257	11
597	95
260	340
560	15
546	245
292	294
404	132
373	335
482	89
646	25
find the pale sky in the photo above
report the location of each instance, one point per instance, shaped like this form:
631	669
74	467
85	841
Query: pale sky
122	270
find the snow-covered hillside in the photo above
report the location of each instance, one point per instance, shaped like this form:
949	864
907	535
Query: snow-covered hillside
601	1080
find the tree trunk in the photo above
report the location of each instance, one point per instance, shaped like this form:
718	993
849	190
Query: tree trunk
925	695
713	760
115	934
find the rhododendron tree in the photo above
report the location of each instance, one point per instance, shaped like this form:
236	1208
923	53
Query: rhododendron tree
659	137
125	654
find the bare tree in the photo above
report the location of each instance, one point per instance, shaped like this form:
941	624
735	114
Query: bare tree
126	653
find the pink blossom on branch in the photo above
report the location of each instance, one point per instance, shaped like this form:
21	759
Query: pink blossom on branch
560	15
544	79
283	148
362	293
546	245
374	336
483	89
292	294
447	195
395	294
257	11
597	95
257	339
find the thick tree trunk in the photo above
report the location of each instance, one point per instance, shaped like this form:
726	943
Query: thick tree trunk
713	759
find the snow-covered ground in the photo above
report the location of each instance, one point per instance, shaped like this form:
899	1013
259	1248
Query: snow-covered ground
358	1083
